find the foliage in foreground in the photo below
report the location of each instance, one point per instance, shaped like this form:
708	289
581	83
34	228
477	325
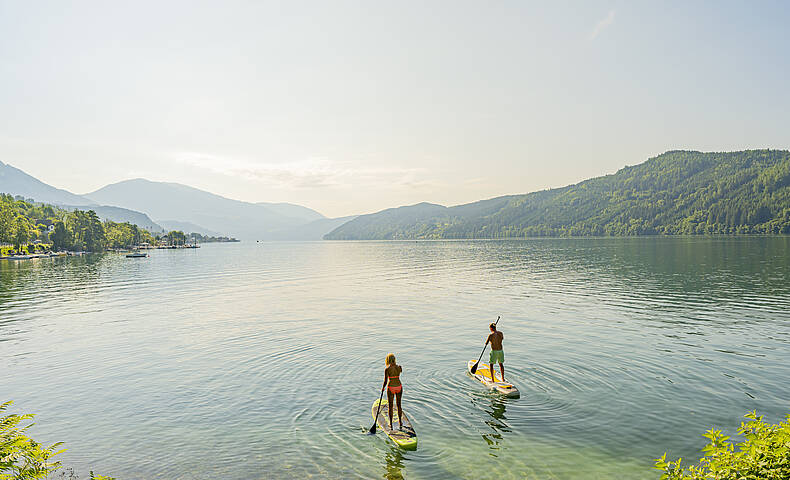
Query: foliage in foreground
21	457
764	454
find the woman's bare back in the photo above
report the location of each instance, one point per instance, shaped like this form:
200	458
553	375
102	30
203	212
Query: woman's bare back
393	373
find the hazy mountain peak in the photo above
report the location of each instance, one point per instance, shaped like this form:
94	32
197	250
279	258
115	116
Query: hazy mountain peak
143	182
293	210
212	212
16	182
422	206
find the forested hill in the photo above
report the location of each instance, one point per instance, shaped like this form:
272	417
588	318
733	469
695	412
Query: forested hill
676	193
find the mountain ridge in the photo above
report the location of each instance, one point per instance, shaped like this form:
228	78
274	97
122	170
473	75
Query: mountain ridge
677	192
244	220
15	181
206	212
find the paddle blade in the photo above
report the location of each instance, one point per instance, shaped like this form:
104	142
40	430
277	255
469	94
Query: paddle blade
372	430
474	368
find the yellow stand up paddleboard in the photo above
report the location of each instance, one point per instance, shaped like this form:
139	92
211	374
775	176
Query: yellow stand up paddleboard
406	438
483	375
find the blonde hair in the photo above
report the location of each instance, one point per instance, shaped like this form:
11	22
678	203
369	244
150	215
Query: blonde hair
390	360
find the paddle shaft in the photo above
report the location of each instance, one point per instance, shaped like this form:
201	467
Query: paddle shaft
381	396
474	368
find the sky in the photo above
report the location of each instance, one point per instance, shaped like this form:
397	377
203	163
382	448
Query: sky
350	107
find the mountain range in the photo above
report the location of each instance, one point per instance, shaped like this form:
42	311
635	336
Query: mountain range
16	182
204	211
678	192
178	207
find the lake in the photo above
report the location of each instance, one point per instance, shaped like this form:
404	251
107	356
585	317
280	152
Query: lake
262	360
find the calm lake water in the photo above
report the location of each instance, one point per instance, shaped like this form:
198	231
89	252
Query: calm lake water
251	361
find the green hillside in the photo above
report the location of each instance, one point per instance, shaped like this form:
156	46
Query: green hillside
676	193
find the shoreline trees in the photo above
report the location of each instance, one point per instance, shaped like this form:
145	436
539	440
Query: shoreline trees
22	221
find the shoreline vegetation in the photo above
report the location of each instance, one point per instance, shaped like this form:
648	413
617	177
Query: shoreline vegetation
29	229
763	453
21	457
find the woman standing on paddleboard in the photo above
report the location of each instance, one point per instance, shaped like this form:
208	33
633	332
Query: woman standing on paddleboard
395	388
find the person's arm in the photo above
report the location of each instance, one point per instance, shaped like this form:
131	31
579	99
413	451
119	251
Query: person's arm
385	379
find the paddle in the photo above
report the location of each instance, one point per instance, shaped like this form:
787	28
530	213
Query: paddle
474	367
372	430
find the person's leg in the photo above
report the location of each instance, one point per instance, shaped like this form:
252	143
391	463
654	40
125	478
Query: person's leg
400	410
502	369
491	369
389	404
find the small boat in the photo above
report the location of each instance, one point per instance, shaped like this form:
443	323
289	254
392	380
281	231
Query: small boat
136	255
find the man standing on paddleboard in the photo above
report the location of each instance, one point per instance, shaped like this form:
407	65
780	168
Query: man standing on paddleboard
497	354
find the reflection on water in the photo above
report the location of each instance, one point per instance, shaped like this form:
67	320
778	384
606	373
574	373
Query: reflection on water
394	463
262	360
496	409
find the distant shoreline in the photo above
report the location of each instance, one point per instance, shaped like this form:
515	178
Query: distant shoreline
568	237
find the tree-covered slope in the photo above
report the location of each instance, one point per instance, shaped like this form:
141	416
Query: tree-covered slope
677	192
413	221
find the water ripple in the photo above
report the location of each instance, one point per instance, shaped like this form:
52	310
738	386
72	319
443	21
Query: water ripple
262	360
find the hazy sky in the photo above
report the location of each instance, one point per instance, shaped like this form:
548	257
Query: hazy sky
351	107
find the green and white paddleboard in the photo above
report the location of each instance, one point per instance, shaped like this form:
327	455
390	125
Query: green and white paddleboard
406	438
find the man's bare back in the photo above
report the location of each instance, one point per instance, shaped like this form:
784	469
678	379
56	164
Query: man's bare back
497	355
495	339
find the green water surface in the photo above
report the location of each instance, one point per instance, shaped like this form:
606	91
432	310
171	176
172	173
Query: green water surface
252	361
